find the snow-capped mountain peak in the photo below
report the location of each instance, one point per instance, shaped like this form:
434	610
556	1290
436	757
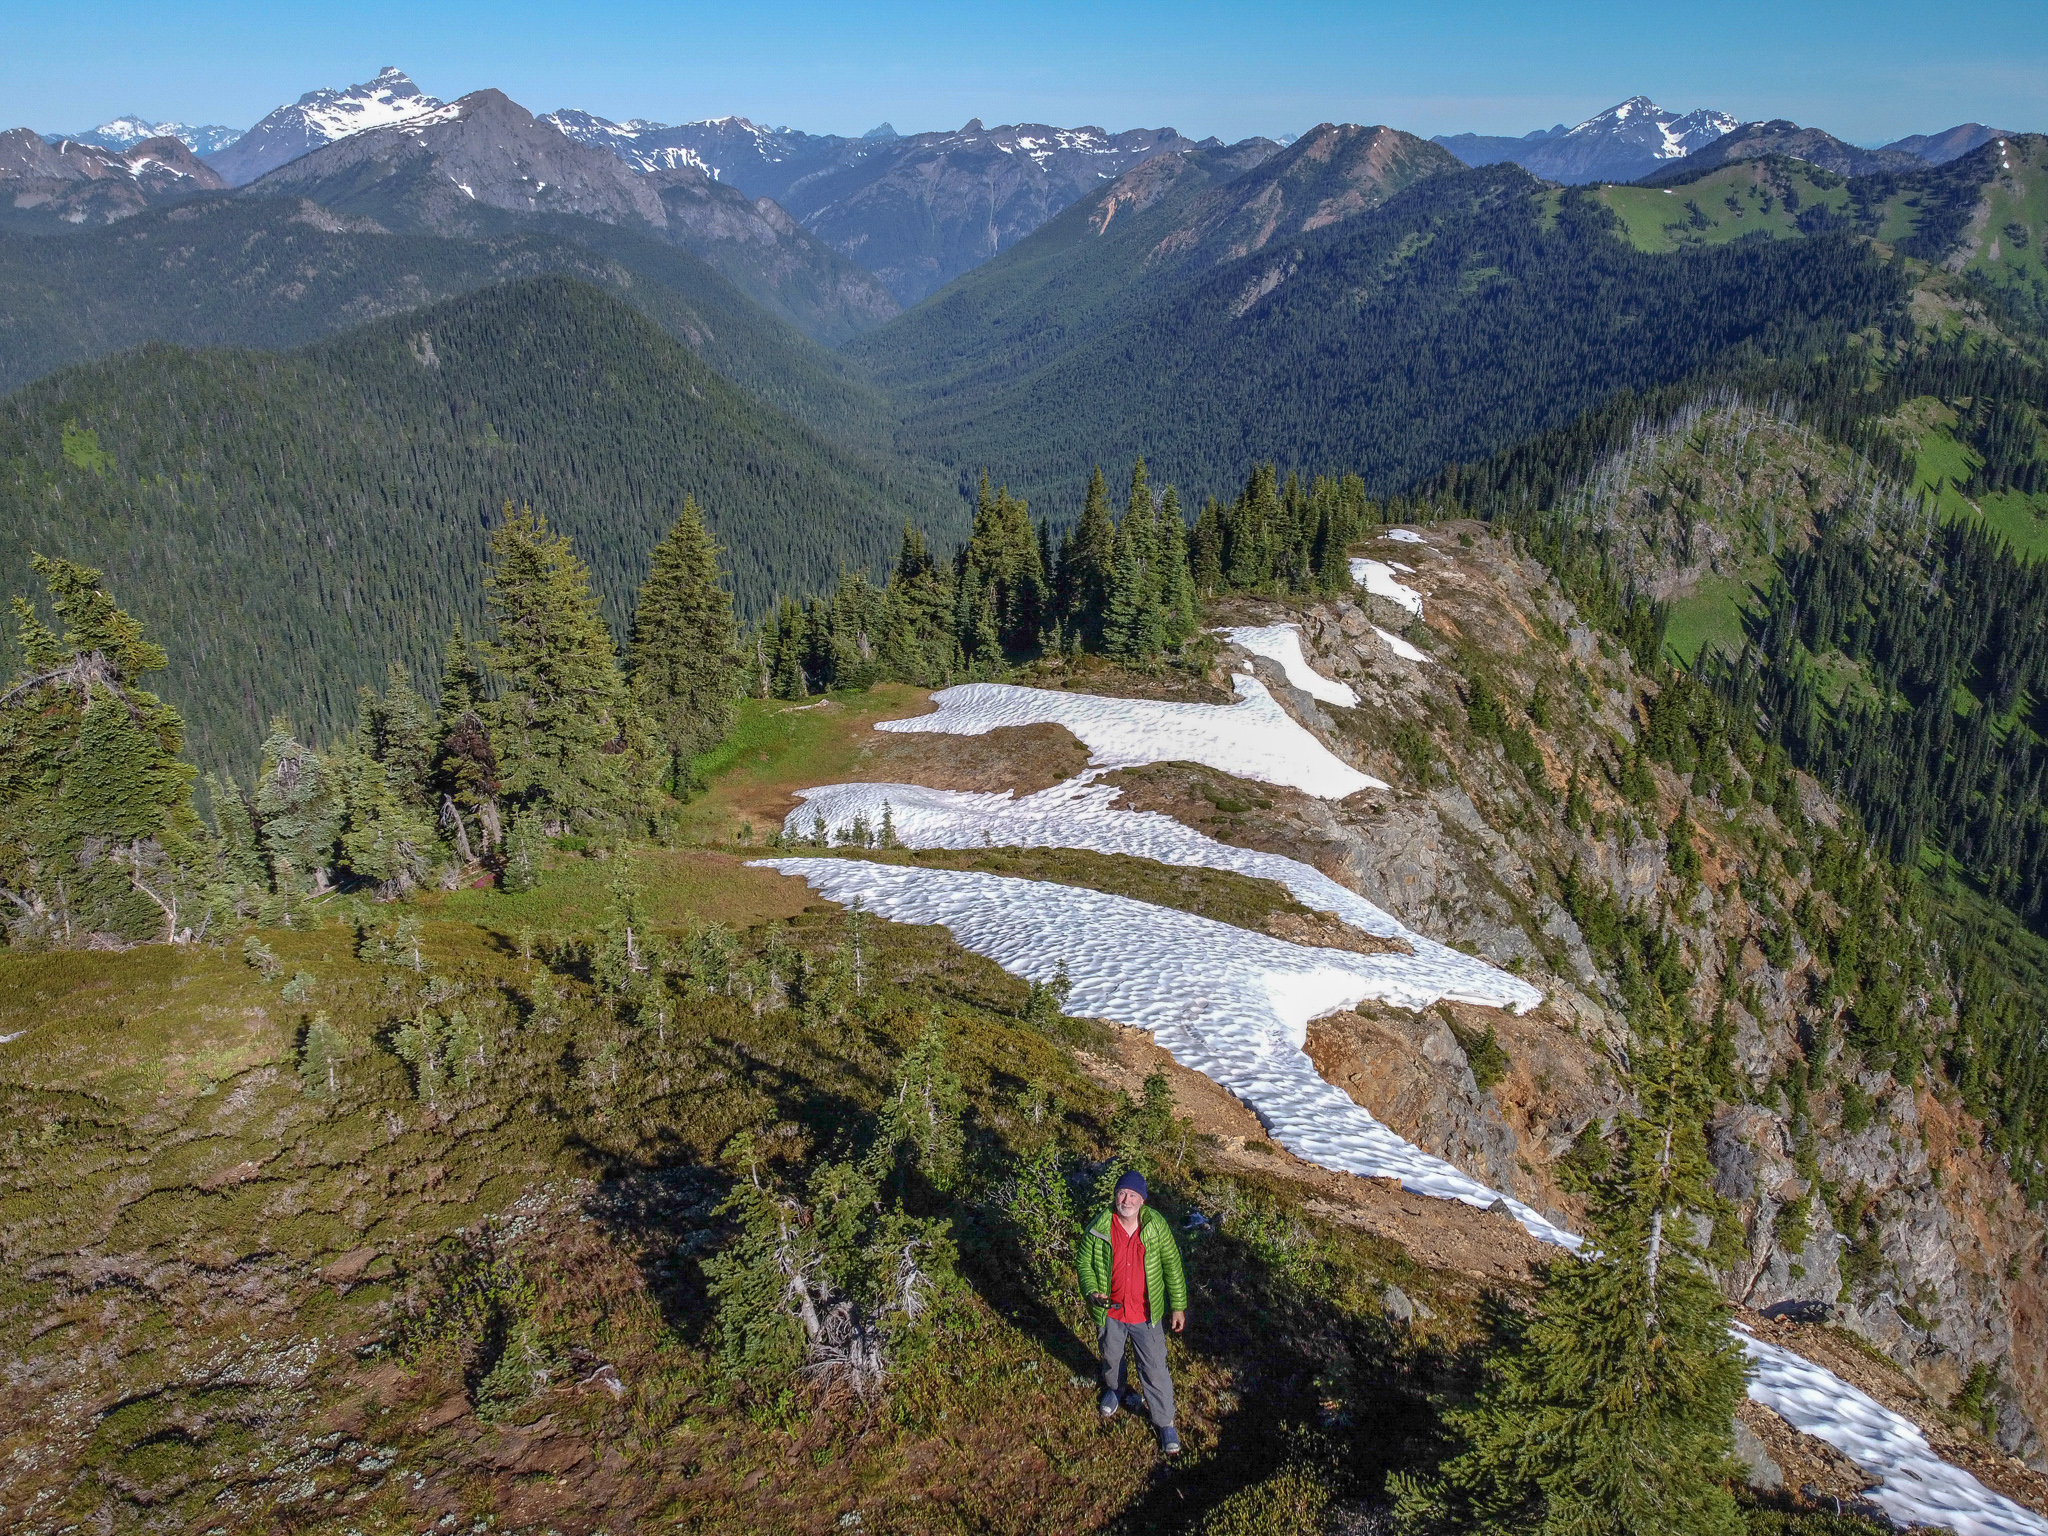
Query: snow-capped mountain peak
321	117
1641	124
389	99
128	130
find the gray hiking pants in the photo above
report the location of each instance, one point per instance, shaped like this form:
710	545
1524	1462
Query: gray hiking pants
1147	1345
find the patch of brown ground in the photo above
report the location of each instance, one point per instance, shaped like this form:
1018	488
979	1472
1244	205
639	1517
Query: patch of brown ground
1322	930
1024	758
1813	1469
1440	1234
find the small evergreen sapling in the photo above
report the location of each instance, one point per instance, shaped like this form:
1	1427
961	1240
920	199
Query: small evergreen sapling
920	1121
321	1053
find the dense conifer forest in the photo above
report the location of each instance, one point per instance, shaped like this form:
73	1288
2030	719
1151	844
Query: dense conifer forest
1466	314
291	523
276	273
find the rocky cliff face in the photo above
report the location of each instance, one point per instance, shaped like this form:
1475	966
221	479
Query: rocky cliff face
1865	1201
76	183
460	169
920	210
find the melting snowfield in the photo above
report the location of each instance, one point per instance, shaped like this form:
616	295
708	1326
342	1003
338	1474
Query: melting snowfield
1253	739
1083	815
1919	1487
1282	643
1232	1005
1377	577
1236	1005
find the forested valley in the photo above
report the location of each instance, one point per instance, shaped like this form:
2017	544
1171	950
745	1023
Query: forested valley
428	1108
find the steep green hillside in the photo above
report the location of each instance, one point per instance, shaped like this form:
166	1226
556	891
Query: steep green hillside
292	522
1106	258
1981	216
279	272
1467	312
1777	197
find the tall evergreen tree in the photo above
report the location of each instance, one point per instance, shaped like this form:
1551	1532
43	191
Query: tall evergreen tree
1178	612
465	763
1609	1413
684	653
1002	559
97	830
298	812
1088	564
568	740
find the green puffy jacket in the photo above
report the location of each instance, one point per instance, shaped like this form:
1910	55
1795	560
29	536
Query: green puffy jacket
1166	1284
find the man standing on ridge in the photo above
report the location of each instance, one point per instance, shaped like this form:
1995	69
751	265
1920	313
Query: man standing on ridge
1131	1275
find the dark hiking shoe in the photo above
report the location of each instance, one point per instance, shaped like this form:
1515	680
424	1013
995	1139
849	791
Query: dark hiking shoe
1109	1404
1169	1442
1132	1400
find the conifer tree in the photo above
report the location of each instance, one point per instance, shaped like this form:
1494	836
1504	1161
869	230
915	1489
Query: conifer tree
465	776
1609	1413
1205	548
1177	611
298	812
97	829
920	1121
684	653
234	829
1088	564
567	738
1003	560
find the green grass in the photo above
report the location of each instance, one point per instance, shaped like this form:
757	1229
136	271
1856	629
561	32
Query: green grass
1941	464
1734	202
1711	615
777	746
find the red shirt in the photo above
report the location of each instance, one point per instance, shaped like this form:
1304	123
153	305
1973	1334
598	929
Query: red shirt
1126	1273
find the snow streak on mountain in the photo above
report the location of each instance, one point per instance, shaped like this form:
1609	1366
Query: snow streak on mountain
319	118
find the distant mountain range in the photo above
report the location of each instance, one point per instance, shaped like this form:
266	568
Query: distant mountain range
1637	139
1623	143
832	233
1779	136
917	210
322	117
126	132
75	183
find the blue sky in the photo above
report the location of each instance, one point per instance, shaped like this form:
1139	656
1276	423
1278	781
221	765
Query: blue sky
1868	72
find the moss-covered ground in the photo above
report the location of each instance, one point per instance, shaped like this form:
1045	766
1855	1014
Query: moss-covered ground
259	1272
223	1256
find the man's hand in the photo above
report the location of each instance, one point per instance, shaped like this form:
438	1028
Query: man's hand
1180	1321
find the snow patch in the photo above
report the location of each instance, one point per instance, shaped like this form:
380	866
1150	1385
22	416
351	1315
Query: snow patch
1405	536
1232	1005
1084	815
1282	643
1398	646
1235	1006
1252	739
1919	1487
1377	577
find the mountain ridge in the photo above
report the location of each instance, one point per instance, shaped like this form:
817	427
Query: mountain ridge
320	117
70	183
445	171
1626	141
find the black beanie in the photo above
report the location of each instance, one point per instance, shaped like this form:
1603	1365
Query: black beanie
1132	1180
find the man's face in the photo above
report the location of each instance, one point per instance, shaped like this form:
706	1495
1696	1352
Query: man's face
1128	1203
